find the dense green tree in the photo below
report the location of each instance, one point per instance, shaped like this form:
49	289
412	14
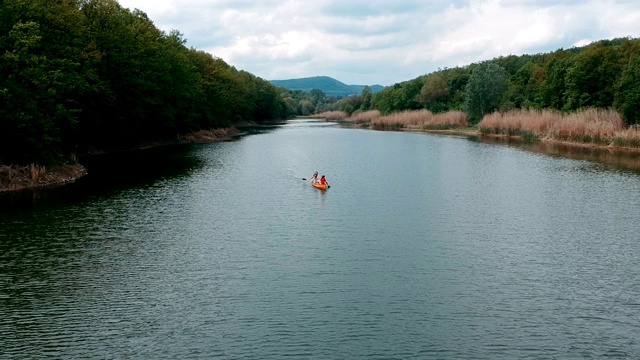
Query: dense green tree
318	97
400	96
628	92
553	93
88	75
367	98
350	104
486	87
592	77
305	107
41	79
434	93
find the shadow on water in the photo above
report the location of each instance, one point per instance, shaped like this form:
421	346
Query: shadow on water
615	159
110	173
115	171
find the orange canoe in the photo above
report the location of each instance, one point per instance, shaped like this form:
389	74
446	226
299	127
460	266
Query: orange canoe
319	186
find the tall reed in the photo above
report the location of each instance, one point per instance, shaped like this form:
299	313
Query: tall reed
366	117
586	125
450	119
629	137
407	118
519	121
590	125
330	115
421	119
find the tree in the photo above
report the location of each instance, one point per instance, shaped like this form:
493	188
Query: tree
367	96
318	97
305	107
628	92
42	77
485	89
434	93
592	77
554	88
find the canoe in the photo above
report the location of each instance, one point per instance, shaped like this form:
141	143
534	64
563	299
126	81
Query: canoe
319	186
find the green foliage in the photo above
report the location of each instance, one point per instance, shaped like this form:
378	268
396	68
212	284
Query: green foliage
84	75
592	77
627	97
41	80
434	93
601	75
485	89
367	98
554	88
401	96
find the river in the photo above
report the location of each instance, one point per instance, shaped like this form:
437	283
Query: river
425	246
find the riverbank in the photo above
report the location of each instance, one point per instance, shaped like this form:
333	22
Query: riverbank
19	178
577	144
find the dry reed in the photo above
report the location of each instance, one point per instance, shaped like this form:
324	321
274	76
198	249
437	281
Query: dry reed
421	119
517	121
366	117
590	125
586	125
450	119
628	138
330	115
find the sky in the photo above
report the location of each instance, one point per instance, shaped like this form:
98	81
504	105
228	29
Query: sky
384	42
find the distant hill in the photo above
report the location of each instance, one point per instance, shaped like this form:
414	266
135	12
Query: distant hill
330	86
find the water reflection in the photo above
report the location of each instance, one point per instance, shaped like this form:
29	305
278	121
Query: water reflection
424	247
628	160
108	173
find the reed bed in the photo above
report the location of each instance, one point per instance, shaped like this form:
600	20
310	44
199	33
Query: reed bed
519	122
331	115
366	117
421	119
448	120
587	125
628	138
407	118
590	125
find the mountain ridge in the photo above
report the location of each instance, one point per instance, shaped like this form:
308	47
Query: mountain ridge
328	85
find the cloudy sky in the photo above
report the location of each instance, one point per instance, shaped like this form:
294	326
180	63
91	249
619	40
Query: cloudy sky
384	41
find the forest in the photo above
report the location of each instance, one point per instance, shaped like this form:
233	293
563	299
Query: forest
86	76
83	76
603	75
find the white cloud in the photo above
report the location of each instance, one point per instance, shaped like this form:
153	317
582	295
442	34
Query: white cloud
381	41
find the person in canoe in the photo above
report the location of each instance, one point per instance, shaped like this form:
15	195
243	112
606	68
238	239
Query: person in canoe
314	178
323	181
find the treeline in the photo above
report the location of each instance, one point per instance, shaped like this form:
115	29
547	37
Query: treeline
89	75
604	75
304	103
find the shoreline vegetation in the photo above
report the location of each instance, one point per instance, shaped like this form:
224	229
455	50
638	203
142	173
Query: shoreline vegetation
34	176
603	128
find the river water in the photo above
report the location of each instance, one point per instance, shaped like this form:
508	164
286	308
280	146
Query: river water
425	246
